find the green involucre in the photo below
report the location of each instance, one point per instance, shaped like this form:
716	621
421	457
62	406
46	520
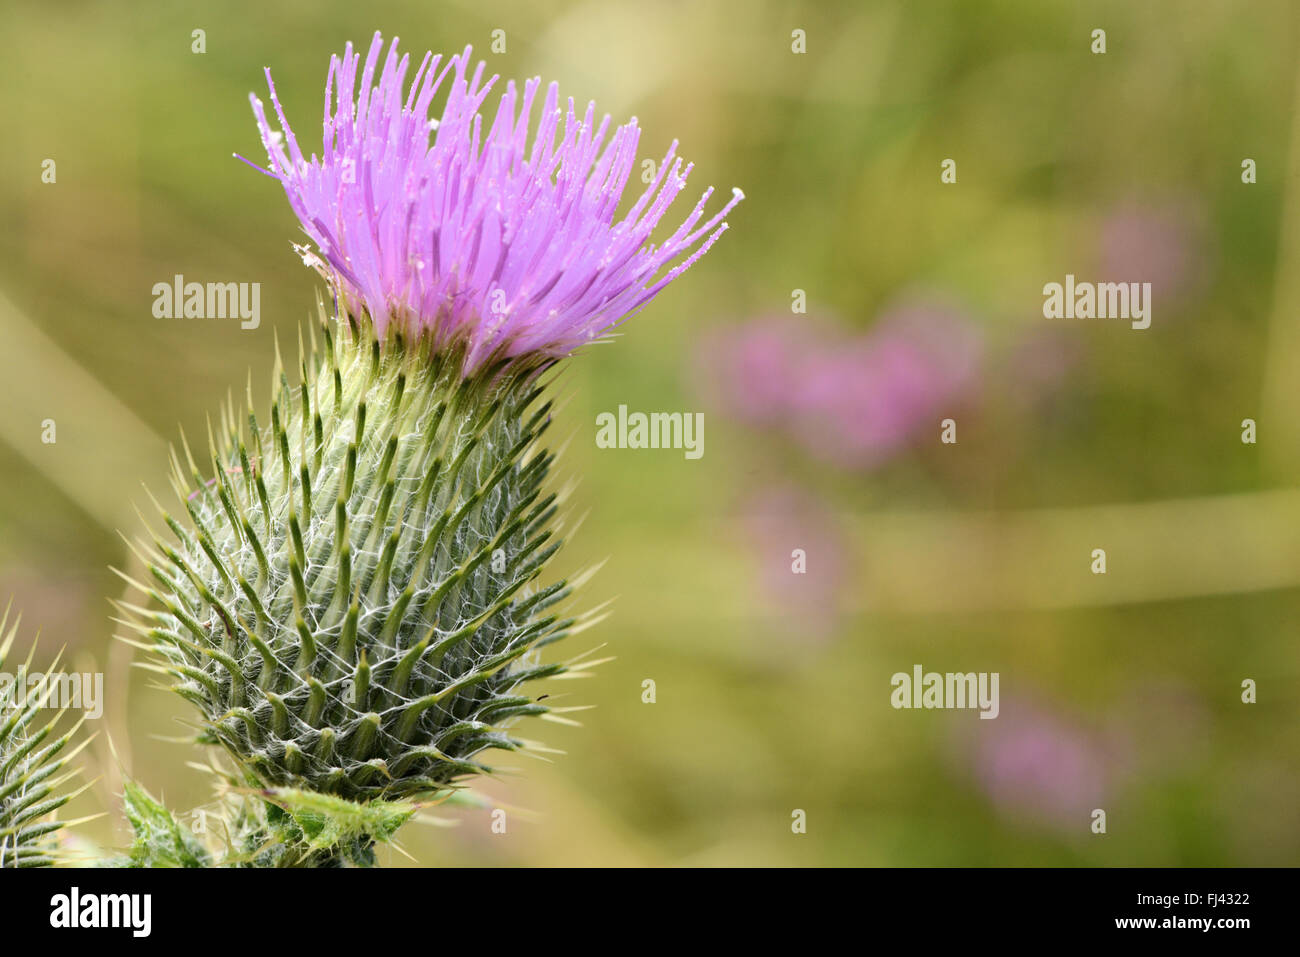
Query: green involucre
352	604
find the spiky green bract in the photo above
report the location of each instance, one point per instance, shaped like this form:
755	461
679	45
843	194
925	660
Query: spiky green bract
160	840
351	601
326	831
259	828
31	787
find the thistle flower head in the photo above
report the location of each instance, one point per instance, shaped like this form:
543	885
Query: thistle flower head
354	600
469	230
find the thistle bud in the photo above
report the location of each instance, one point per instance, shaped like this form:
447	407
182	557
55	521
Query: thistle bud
32	757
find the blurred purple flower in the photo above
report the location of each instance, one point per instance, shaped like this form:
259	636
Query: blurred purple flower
1032	761
482	238
1040	366
852	401
778	520
1162	245
755	371
870	399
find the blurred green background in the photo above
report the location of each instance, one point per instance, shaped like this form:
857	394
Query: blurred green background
1119	692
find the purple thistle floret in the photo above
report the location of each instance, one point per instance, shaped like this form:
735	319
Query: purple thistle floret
481	240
